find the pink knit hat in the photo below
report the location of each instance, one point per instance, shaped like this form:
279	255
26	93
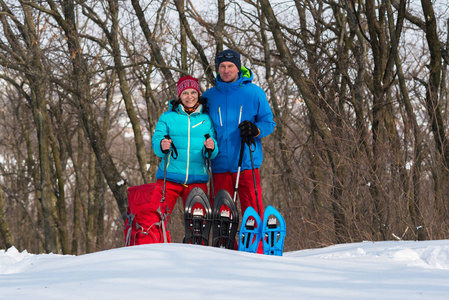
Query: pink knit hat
187	82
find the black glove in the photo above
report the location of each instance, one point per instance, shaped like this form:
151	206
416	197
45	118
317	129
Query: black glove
248	129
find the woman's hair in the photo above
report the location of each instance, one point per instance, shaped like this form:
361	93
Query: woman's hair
201	100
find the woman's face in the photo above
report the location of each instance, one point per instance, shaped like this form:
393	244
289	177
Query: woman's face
189	97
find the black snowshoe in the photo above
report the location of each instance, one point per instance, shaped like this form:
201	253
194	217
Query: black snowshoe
197	218
225	221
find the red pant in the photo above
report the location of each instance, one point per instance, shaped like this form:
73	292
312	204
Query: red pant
174	190
246	190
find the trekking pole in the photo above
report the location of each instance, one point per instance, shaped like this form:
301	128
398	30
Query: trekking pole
250	141
163	216
242	148
209	168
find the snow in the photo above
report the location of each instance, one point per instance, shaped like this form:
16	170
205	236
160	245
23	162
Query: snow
367	270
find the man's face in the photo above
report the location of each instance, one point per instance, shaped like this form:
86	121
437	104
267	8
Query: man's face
228	71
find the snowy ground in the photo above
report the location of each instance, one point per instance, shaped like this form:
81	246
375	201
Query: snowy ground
381	270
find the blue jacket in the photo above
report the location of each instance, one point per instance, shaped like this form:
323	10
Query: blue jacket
187	134
230	104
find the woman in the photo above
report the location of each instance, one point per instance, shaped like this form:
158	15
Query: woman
187	126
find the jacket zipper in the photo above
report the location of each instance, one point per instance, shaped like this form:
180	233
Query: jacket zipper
240	116
188	151
219	114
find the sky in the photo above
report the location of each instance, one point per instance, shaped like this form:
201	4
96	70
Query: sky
366	270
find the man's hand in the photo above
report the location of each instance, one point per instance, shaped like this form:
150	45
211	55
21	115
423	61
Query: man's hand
248	129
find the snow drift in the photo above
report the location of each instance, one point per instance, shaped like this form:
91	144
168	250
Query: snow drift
381	270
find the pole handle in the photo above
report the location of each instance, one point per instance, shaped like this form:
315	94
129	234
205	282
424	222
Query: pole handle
208	151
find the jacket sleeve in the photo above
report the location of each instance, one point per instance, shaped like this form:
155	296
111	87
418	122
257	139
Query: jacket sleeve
264	118
159	134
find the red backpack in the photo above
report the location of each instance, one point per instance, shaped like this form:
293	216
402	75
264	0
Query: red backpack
144	215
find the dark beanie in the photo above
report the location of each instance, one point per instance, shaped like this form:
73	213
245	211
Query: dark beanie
228	55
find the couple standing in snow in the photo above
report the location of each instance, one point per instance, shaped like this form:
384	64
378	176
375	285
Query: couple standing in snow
233	110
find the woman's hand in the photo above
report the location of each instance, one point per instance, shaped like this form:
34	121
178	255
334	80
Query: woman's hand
209	144
166	144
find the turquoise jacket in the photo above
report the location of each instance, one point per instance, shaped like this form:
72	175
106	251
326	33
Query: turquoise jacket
187	133
229	105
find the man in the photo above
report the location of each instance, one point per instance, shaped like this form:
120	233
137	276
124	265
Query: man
239	109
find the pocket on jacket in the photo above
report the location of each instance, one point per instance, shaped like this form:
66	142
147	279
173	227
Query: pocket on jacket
198	124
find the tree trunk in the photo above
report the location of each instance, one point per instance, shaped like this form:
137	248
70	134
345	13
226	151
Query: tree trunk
432	102
91	210
77	199
61	220
219	27
4	227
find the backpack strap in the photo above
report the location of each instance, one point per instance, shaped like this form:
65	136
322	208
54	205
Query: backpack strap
129	225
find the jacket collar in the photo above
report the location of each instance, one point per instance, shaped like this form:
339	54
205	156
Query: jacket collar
198	110
245	77
180	108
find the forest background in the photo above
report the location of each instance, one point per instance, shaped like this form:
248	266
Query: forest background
358	90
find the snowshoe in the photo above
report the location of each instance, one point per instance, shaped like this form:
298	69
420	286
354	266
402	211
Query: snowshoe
197	218
273	232
250	231
225	221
